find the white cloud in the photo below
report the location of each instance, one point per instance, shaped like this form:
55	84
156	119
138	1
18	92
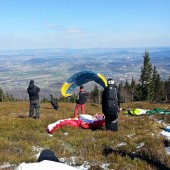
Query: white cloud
52	26
71	30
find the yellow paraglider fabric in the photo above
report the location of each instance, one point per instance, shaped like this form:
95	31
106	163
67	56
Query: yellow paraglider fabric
103	78
64	89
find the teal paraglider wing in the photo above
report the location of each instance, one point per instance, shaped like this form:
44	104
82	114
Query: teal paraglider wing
81	78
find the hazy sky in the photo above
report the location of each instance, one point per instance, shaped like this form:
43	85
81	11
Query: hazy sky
28	24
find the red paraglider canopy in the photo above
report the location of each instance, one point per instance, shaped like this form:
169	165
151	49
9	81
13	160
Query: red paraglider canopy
84	121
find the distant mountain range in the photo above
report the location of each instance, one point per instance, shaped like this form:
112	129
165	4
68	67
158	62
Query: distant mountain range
51	67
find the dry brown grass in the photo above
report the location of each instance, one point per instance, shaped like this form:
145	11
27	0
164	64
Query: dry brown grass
137	145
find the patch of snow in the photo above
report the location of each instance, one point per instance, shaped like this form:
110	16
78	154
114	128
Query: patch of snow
168	128
73	159
168	150
122	144
84	166
37	149
152	134
131	135
65	133
161	122
166	134
50	135
61	159
140	145
105	165
7	165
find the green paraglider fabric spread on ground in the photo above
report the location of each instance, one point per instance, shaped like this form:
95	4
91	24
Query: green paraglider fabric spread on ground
137	111
158	111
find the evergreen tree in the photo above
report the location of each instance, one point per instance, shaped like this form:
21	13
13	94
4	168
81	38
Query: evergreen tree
132	89
156	86
167	90
138	94
73	98
64	99
127	92
122	92
1	95
146	77
45	100
95	94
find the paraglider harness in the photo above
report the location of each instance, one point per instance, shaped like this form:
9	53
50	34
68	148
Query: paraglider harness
111	97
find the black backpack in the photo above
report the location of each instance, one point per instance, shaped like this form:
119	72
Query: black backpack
111	97
81	97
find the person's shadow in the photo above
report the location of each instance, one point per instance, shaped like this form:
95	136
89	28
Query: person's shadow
158	165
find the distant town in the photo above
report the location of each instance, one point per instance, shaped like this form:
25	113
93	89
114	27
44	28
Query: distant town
50	68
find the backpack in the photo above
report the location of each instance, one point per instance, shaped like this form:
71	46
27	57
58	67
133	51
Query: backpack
111	97
81	97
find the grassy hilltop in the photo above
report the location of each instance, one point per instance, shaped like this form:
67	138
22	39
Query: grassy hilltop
138	145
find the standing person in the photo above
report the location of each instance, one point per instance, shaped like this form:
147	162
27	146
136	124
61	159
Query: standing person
33	92
111	105
80	101
54	102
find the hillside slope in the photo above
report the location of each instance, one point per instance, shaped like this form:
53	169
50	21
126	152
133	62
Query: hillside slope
137	145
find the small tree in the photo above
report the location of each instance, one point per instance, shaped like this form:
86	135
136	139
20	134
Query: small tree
167	90
1	95
127	92
73	98
133	89
156	86
146	77
95	94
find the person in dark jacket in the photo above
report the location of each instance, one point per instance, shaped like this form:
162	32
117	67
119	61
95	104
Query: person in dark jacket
54	102
111	105
80	101
33	92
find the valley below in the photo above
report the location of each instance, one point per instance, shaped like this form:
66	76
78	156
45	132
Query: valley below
50	68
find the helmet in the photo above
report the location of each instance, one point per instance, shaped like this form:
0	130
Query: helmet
110	81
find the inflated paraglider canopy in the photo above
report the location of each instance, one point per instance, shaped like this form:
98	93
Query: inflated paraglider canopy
81	78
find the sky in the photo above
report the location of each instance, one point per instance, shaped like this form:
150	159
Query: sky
39	24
